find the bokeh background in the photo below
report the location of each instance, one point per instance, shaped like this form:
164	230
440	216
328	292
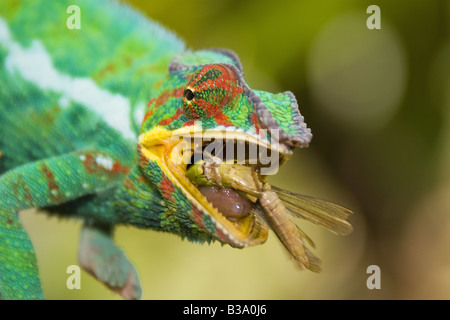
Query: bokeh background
378	104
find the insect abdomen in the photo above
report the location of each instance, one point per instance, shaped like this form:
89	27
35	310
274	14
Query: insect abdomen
282	224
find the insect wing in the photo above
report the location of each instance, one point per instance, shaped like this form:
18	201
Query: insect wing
330	215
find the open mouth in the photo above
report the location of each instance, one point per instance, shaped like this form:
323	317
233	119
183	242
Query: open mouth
234	212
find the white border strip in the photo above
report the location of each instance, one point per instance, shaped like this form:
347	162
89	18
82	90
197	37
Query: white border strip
35	65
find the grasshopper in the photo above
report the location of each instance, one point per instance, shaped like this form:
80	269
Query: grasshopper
274	206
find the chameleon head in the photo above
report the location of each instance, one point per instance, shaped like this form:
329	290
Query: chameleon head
203	109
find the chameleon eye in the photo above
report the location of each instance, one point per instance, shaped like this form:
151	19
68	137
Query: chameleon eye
188	94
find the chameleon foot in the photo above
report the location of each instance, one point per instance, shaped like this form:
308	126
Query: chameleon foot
99	256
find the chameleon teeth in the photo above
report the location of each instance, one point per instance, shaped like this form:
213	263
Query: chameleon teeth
220	128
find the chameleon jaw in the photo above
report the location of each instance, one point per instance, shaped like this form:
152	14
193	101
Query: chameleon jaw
172	152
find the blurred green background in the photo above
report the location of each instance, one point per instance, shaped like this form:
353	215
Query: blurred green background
378	104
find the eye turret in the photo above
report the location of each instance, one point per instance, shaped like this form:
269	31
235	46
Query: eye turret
209	90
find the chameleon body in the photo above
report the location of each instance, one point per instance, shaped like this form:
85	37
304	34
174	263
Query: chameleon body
87	125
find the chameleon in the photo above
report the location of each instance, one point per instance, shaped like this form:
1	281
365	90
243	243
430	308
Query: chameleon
91	124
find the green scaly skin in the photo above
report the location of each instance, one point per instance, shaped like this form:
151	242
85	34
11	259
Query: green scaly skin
73	106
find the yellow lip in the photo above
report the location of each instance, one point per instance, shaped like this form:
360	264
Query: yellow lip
167	149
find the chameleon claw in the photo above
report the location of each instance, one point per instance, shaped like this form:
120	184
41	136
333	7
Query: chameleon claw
131	290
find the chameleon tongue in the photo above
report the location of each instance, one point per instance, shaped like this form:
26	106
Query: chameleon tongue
229	203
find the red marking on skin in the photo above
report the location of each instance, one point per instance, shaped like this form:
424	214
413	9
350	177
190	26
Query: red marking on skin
177	92
221	236
142	179
149	112
129	60
89	163
161	99
92	167
143	160
189	123
16	184
222	119
20	185
166	187
158	84
147	69
235	90
200	74
197	217
213	93
119	168
108	69
28	195
129	184
113	67
172	118
254	121
51	183
151	102
209	108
